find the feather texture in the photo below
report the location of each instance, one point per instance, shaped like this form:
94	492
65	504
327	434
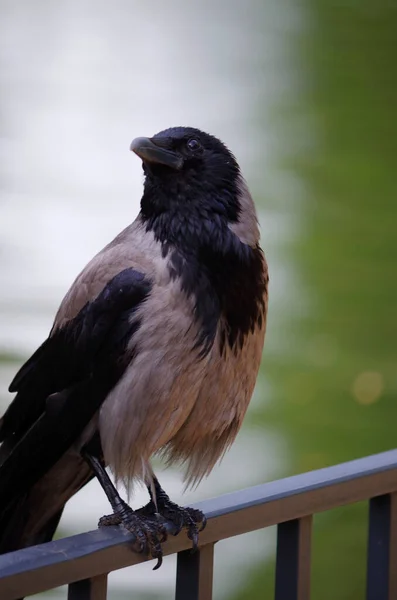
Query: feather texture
155	348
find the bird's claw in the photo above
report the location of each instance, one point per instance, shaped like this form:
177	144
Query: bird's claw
149	533
188	518
203	521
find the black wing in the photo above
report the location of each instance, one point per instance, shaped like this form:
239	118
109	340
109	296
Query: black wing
64	383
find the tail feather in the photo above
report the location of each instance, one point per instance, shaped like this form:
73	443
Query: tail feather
42	470
32	518
15	531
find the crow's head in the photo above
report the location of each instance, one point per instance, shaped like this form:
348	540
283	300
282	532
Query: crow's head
192	177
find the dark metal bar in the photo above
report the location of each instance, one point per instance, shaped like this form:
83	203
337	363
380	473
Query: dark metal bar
393	547
382	548
194	574
89	589
50	565
293	559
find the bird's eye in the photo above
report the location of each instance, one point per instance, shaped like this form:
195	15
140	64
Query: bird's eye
193	144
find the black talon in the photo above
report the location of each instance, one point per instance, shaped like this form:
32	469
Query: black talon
156	552
163	537
204	523
142	542
159	562
180	517
149	533
193	535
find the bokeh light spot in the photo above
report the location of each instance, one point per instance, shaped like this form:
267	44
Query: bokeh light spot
368	387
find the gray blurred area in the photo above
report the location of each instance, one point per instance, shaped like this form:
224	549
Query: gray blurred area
304	93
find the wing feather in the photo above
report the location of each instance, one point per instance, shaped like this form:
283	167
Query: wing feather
98	335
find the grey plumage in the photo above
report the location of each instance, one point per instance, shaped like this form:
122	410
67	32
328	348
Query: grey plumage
177	396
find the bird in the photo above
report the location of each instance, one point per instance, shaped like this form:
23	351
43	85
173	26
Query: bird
154	350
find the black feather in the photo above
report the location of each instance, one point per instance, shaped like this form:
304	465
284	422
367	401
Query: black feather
190	212
59	391
69	355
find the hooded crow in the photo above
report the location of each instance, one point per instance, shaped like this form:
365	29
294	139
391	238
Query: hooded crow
155	349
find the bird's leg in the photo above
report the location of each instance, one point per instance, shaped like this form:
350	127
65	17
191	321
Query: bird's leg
149	533
191	519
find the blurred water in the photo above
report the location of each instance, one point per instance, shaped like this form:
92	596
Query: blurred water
78	81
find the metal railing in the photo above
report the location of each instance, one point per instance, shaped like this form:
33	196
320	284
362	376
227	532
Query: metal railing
83	561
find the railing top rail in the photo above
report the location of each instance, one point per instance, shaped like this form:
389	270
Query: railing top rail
89	554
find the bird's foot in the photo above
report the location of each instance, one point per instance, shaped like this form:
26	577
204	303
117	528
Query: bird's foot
150	532
180	517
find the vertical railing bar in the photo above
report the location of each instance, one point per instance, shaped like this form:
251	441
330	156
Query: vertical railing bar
382	531
94	588
393	547
293	559
194	574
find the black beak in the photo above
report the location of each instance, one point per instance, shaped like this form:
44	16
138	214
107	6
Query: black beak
153	151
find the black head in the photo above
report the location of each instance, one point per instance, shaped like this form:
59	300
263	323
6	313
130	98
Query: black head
199	209
188	171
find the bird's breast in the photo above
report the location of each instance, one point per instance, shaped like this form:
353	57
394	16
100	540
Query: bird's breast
218	412
159	388
174	397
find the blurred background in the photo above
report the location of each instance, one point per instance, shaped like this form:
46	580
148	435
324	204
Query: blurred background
305	94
